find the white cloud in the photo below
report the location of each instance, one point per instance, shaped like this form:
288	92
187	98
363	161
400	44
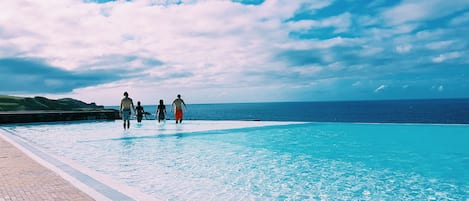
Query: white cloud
439	45
386	33
314	5
371	50
356	84
216	45
213	41
407	11
439	88
431	34
403	48
459	20
380	88
404	28
337	41
341	23
308	71
368	20
71	34
417	10
302	25
446	56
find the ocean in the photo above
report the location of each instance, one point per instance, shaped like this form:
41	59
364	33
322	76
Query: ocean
444	111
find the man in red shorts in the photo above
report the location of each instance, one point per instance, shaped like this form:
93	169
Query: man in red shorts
177	104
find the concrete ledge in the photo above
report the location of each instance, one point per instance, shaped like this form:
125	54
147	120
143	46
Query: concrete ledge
50	116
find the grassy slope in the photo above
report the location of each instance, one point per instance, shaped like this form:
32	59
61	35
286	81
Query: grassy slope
13	103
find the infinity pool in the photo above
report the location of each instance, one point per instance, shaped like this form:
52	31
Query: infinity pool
243	160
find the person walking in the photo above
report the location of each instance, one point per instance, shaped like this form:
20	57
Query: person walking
177	105
126	105
140	111
161	111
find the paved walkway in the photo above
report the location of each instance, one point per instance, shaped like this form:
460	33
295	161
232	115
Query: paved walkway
22	178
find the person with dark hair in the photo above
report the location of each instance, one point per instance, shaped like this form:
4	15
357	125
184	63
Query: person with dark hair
161	111
140	111
126	105
177	105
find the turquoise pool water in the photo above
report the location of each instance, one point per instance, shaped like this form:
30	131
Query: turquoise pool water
235	160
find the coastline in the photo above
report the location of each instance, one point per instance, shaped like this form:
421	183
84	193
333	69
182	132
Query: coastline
438	111
56	115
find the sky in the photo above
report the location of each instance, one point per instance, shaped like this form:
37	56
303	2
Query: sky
221	51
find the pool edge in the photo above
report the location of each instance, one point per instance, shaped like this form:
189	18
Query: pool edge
71	174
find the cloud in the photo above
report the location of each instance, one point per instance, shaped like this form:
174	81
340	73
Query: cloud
439	45
32	76
380	88
341	23
326	28
416	10
438	88
446	56
403	48
128	62
159	47
460	20
356	84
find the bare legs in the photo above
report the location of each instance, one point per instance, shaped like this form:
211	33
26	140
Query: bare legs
128	124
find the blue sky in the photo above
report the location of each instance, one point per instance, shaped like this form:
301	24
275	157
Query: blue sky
213	51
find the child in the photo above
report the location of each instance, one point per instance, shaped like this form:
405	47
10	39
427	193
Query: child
161	111
140	112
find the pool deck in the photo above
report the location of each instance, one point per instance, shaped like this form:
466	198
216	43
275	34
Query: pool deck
22	178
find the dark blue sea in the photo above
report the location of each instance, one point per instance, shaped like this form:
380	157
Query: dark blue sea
445	111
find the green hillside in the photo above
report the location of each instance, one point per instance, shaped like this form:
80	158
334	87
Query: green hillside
13	103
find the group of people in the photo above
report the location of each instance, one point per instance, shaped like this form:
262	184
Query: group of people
127	105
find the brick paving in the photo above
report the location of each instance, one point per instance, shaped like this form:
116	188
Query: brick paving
23	179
